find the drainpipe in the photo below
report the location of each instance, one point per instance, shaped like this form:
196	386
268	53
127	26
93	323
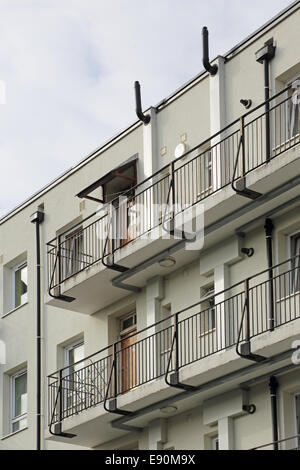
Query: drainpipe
269	227
37	218
211	69
273	385
264	56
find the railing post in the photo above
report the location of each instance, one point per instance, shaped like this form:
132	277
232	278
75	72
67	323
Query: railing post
242	131
61	397
115	365
59	262
247	311
173	198
176	336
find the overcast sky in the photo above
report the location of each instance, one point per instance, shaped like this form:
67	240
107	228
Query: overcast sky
69	68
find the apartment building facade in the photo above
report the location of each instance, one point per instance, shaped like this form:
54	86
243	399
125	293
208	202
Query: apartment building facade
169	272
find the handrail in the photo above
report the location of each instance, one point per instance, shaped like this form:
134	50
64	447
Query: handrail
277	442
165	320
203	143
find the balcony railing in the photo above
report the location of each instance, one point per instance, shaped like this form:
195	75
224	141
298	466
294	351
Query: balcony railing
243	146
291	443
230	318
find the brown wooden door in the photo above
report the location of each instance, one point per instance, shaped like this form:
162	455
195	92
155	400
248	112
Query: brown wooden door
129	375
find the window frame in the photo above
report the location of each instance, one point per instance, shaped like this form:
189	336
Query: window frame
215	443
296	418
14	270
70	391
70	265
133	327
293	288
71	347
288	133
209	296
16	419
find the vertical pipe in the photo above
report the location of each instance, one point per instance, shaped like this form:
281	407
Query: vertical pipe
267	110
37	218
273	385
269	227
38	337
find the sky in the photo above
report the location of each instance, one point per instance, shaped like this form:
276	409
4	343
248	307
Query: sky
68	68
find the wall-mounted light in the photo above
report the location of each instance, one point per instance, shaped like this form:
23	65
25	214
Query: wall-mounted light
180	150
169	410
246	103
248	251
167	262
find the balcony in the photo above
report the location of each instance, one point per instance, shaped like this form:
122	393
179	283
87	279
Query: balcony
241	159
253	322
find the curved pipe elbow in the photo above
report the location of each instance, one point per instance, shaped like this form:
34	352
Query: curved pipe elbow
211	69
145	118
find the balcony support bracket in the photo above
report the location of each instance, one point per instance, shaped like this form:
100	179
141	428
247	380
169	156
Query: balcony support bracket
58	296
246	353
174	382
241	189
113	408
58	432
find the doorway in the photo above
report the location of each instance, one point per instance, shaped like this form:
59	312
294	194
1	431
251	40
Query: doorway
128	335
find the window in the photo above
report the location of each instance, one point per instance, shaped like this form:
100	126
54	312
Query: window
208	317
208	171
128	322
297	419
74	354
204	173
215	443
19	401
74	383
72	253
20	285
295	263
293	122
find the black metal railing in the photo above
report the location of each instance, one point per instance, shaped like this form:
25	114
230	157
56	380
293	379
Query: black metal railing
229	155
208	327
290	443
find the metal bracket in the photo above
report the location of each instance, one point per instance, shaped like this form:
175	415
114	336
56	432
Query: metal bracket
241	189
64	298
174	382
174	377
246	353
58	432
112	408
112	403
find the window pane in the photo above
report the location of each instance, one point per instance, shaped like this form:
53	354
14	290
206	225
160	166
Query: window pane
20	395
21	286
75	354
18	425
295	252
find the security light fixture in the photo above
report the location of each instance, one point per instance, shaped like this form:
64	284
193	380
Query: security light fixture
169	410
